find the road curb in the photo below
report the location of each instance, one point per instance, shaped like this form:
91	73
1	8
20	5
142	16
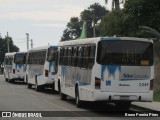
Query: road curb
143	108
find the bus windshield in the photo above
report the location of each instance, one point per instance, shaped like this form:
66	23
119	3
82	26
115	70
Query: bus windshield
20	58
51	54
134	53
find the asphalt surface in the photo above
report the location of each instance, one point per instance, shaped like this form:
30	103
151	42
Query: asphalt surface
18	98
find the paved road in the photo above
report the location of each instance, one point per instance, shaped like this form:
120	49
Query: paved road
17	97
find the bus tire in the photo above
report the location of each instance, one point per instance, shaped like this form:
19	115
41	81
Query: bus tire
63	96
27	79
53	86
37	87
9	80
29	85
6	79
78	101
59	86
125	105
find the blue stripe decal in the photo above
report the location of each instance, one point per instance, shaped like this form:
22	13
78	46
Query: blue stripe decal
111	69
19	65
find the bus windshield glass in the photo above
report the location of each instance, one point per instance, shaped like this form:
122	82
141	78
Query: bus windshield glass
51	54
125	52
20	58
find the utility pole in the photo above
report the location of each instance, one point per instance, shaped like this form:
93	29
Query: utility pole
31	43
94	28
7	42
27	41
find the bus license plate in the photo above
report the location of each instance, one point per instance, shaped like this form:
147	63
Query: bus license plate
124	97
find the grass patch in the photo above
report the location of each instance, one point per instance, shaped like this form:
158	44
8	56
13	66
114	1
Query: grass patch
156	96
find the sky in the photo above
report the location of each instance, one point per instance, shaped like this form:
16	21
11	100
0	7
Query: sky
44	20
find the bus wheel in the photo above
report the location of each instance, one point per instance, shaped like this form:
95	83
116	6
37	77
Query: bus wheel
29	85
53	86
59	86
78	101
37	87
125	105
63	96
9	80
26	79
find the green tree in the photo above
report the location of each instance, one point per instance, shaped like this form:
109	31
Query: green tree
93	13
143	13
91	16
73	29
136	13
113	24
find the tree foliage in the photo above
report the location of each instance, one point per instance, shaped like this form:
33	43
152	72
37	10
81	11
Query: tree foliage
127	21
73	29
93	13
4	48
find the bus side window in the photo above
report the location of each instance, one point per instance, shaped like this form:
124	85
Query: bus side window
69	56
91	56
74	59
79	58
56	60
65	57
85	57
61	56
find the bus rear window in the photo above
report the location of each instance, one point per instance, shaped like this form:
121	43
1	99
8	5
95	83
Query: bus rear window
134	53
20	58
51	54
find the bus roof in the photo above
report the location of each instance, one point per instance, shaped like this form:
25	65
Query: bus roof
53	46
127	38
38	48
21	52
13	53
10	54
95	40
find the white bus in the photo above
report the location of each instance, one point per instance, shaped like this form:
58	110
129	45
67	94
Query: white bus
14	66
113	69
41	67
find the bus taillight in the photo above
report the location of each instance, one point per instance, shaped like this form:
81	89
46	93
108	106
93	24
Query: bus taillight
151	84
97	83
46	73
13	71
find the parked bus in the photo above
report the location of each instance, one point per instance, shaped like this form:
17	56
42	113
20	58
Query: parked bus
41	67
14	66
113	69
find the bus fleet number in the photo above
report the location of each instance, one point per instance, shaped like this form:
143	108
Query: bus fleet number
143	84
